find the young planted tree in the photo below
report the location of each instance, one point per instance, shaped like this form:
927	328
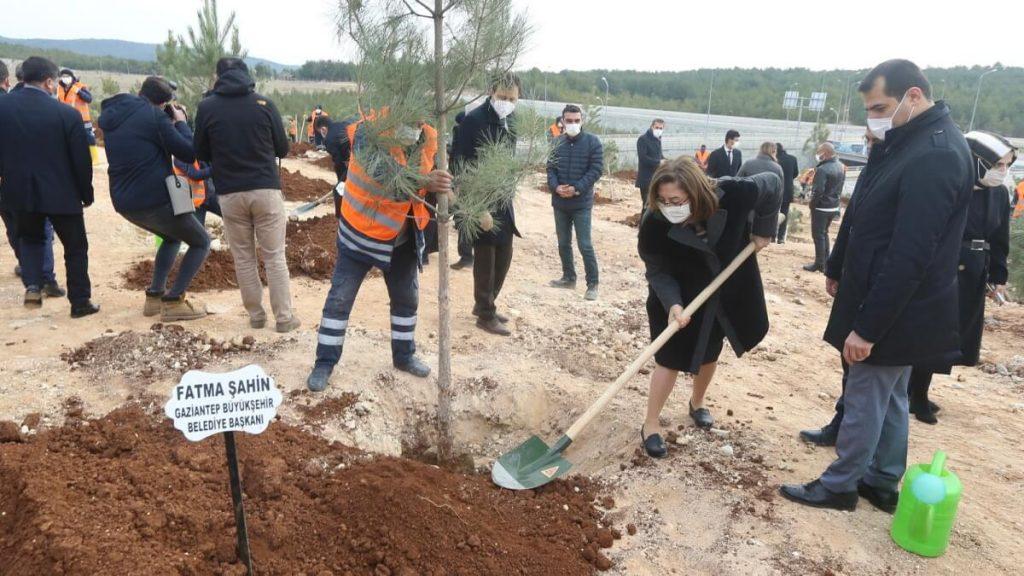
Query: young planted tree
420	59
191	59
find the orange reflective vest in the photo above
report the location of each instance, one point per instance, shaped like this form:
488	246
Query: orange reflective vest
70	97
702	158
293	128
1018	212
554	130
312	120
366	206
198	186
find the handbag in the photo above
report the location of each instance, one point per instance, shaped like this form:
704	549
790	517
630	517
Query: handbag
178	189
180	192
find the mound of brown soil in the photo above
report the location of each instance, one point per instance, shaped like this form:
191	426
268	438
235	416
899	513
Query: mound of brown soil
310	251
634	220
166	348
297	188
325	162
127	494
599	200
628	175
299	149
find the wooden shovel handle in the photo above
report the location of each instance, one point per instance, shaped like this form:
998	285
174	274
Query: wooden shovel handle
648	352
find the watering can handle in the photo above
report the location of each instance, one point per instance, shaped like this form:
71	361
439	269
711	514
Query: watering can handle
938	463
664	337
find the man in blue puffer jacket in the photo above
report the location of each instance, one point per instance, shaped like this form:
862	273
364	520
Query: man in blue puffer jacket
574	168
142	133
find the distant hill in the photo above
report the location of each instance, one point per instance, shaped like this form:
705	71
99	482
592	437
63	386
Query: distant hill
115	48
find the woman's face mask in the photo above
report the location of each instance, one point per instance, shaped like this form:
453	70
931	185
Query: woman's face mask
675	214
994	177
408	135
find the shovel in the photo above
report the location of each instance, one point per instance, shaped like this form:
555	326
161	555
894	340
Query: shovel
310	206
533	463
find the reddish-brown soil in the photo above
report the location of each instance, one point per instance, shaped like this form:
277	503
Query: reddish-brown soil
629	175
326	163
218	273
599	200
127	494
330	408
298	149
633	221
298	188
310	250
165	349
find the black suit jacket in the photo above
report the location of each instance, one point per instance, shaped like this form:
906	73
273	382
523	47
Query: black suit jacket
45	165
718	163
649	157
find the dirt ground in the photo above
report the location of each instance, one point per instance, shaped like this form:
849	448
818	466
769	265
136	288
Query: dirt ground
710	508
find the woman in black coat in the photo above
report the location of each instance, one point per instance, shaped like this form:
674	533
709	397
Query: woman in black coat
982	270
693	228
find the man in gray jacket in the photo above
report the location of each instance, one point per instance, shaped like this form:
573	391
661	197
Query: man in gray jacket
829	177
764	162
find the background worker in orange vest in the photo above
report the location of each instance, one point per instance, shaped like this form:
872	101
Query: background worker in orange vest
1018	210
701	156
293	129
556	129
312	135
377	230
74	93
200	179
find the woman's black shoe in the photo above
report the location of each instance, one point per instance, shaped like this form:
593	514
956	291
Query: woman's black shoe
924	413
653	445
702	417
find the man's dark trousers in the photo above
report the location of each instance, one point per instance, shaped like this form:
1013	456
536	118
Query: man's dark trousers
820	222
70	228
490	269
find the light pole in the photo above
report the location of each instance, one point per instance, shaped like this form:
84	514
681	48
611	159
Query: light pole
943	97
977	94
849	99
707	119
836	112
606	89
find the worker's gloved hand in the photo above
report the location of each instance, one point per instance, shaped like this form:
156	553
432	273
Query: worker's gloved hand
439	182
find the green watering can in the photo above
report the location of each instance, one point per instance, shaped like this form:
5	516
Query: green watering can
927	508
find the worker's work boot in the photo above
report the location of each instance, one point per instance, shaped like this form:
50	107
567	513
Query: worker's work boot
414	366
33	297
284	327
153	304
563	283
53	290
180	309
319	377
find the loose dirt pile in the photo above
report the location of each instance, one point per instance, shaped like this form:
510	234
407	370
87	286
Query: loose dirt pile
298	149
329	408
627	175
165	349
298	188
218	273
126	494
310	251
325	162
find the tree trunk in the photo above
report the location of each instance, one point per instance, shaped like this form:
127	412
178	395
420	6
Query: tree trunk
445	436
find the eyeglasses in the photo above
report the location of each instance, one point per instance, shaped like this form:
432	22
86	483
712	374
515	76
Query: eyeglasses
673	203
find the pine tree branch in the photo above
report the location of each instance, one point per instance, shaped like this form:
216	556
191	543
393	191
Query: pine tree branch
413	12
430	9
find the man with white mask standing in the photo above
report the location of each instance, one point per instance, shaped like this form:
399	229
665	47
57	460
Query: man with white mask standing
574	168
648	156
491	122
893	274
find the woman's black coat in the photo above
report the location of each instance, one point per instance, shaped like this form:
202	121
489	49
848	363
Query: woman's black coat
680	264
983	256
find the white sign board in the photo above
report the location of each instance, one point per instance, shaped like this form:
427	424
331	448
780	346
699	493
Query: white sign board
818	101
791	101
204	403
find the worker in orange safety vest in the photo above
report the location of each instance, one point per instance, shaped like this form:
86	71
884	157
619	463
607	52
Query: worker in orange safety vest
74	93
312	136
378	228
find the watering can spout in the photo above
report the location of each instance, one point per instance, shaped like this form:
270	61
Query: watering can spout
938	463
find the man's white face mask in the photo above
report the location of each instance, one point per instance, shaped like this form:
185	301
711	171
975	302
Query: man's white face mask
408	135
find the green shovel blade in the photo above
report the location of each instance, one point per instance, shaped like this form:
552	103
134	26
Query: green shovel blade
531	464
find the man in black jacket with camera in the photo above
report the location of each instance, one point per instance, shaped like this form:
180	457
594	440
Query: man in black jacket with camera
829	178
893	274
46	174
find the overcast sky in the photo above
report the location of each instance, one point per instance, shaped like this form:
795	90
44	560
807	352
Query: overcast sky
585	34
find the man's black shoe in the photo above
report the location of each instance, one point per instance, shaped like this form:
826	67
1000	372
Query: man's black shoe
501	317
812	268
815	495
826	436
84	309
493	326
53	290
463	263
33	297
884	500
